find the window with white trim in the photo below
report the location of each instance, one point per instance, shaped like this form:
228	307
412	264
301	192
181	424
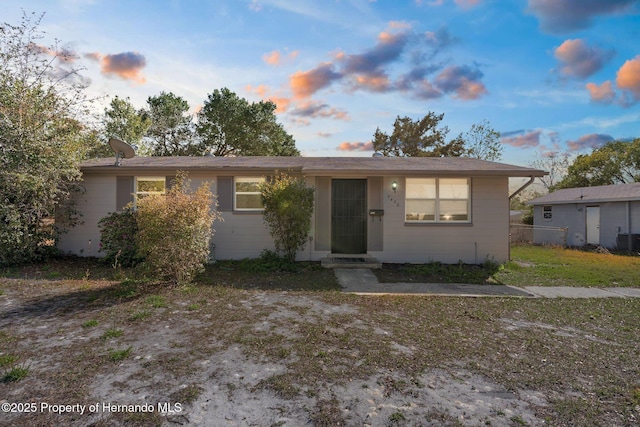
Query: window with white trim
547	213
437	200
147	185
246	195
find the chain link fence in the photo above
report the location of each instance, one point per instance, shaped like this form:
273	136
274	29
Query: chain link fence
537	234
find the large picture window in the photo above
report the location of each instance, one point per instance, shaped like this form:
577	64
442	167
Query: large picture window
147	185
247	194
437	200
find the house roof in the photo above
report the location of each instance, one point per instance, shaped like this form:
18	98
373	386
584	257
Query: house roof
318	166
603	193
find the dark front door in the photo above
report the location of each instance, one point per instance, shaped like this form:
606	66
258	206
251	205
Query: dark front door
349	216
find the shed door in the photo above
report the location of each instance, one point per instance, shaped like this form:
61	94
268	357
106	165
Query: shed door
593	225
349	216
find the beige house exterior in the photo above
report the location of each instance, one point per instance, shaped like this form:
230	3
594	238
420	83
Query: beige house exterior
397	210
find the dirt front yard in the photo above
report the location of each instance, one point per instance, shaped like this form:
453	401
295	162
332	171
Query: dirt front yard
103	353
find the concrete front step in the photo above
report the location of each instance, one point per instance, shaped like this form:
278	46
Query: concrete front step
350	261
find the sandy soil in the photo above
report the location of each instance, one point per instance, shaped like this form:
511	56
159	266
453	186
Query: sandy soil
224	385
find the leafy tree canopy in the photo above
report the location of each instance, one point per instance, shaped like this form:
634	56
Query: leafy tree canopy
170	132
123	121
616	162
426	138
42	138
483	142
230	125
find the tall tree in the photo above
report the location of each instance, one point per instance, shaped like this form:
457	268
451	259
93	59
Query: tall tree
170	132
556	164
123	121
230	125
483	142
42	102
616	162
420	138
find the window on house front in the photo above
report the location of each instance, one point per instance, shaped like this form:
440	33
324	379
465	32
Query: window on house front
547	214
247	194
439	200
147	185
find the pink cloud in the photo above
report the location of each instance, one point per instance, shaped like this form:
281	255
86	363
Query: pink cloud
558	16
593	140
603	93
276	58
463	4
580	60
316	109
461	80
262	91
628	78
125	65
372	82
63	54
356	146
305	83
527	140
467	4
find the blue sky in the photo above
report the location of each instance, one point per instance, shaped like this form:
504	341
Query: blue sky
550	75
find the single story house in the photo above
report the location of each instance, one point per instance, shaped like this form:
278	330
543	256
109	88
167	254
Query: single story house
607	216
413	210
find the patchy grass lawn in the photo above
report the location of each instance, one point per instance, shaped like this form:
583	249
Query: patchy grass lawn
530	266
556	266
242	349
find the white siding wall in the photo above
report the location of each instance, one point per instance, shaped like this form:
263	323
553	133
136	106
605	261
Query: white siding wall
239	234
98	200
486	238
242	235
613	221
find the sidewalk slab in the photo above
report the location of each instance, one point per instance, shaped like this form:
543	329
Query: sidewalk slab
627	292
364	281
571	292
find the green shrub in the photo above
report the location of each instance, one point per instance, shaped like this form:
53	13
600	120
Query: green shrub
118	232
288	206
174	231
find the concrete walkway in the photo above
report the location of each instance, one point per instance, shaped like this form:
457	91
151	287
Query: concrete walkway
364	281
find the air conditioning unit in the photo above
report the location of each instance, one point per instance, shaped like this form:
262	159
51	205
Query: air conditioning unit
622	242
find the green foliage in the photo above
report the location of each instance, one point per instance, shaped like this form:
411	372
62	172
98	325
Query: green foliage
483	142
41	141
124	122
288	206
119	355
118	232
230	125
170	131
425	138
616	162
15	374
174	231
421	138
266	262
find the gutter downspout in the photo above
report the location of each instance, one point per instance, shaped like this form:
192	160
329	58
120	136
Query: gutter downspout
515	193
519	190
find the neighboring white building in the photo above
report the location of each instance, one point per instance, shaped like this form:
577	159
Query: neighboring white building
606	215
414	210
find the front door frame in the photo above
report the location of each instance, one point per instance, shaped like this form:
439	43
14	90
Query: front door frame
355	241
592	225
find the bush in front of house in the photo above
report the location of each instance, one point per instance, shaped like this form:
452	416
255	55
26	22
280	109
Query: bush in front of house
118	231
288	206
174	230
